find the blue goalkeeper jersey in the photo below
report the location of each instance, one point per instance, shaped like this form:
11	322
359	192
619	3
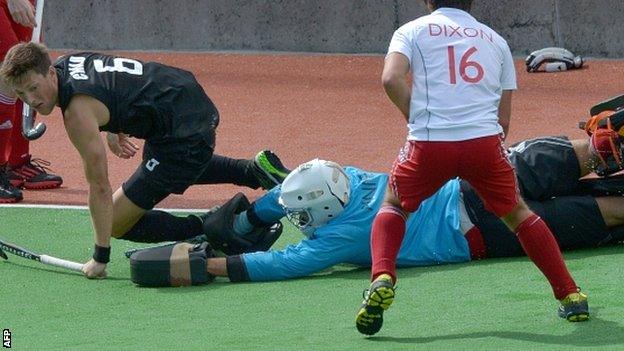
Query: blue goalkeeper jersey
432	233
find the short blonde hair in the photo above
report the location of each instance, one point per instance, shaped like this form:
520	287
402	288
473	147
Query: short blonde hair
23	58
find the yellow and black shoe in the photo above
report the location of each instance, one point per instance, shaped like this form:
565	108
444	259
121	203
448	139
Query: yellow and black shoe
574	307
377	299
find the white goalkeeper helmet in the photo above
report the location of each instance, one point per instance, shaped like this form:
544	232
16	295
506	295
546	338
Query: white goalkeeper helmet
314	193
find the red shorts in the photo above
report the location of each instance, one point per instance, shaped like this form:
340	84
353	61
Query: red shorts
11	33
422	167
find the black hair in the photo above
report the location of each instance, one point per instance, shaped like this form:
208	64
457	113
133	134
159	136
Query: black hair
458	4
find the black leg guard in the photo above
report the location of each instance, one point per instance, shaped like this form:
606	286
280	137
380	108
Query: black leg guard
179	264
218	227
158	226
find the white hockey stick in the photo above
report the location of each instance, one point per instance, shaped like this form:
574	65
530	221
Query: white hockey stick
45	259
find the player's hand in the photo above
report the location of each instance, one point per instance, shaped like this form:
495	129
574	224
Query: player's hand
93	269
22	12
121	145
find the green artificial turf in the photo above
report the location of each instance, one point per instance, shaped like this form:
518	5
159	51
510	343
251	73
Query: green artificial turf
502	304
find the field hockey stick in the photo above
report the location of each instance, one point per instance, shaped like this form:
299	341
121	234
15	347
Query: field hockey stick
45	259
28	114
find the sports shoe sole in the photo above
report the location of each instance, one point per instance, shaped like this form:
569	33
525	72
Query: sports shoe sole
577	311
578	318
370	317
267	162
10	200
42	185
575	316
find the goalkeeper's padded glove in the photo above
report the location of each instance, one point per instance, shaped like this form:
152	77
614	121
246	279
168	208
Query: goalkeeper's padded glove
556	59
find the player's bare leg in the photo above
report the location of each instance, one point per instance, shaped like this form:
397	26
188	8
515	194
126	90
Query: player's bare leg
125	213
611	210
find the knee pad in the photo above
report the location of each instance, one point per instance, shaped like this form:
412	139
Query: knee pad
178	264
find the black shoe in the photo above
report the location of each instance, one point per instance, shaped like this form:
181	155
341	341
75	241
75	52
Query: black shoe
35	174
8	192
574	307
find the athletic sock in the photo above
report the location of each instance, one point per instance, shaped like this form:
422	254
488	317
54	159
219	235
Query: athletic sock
7	108
225	170
476	244
540	245
157	226
242	225
19	154
386	238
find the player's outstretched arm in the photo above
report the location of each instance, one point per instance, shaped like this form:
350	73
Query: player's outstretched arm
217	266
307	257
81	120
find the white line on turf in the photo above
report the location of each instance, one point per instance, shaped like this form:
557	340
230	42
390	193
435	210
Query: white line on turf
74	207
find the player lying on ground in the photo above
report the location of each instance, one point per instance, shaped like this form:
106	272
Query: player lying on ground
335	208
163	105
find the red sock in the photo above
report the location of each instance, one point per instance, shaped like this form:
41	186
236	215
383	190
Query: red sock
476	244
386	238
540	245
7	105
19	145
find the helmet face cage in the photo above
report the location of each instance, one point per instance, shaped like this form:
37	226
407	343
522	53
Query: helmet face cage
300	218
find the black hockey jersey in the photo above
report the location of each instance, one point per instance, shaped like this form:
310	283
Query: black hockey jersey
146	100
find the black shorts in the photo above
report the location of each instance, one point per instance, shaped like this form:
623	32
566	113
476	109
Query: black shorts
610	186
548	167
169	167
575	221
545	167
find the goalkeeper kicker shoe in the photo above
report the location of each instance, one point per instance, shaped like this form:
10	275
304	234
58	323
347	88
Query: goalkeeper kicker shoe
269	170
377	299
574	307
